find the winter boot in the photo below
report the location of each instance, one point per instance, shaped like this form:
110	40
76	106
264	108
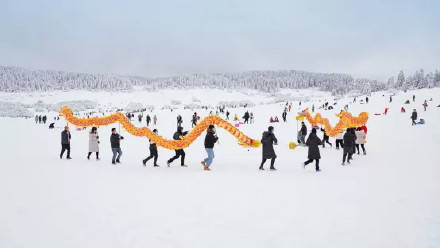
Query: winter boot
273	168
206	168
144	162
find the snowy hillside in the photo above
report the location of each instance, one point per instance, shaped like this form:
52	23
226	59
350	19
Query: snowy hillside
387	198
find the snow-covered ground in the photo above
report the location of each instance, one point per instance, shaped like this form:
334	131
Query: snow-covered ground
388	198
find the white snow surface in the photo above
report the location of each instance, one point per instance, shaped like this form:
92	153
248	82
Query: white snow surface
388	198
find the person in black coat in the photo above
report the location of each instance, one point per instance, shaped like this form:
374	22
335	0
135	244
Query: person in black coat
65	142
349	145
246	117
148	120
303	132
115	139
284	116
210	139
268	140
313	143
153	152
179	152
414	117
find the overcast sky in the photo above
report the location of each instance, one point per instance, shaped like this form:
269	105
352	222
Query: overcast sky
366	38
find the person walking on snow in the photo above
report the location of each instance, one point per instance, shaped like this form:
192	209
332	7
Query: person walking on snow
148	120
65	142
349	143
179	120
284	115
313	143
194	119
325	139
340	140
93	143
115	139
155	119
268	140
246	117
179	152
414	117
210	139
360	140
303	132
153	152
425	104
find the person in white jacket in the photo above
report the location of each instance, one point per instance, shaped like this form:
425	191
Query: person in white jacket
340	140
360	140
93	143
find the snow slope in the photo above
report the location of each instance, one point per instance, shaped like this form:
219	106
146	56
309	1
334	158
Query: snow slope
388	198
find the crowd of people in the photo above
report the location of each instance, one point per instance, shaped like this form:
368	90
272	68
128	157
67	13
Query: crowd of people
351	141
40	119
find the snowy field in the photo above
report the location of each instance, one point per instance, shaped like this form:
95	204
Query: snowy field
388	198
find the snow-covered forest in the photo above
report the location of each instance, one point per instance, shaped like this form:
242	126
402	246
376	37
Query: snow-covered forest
13	79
